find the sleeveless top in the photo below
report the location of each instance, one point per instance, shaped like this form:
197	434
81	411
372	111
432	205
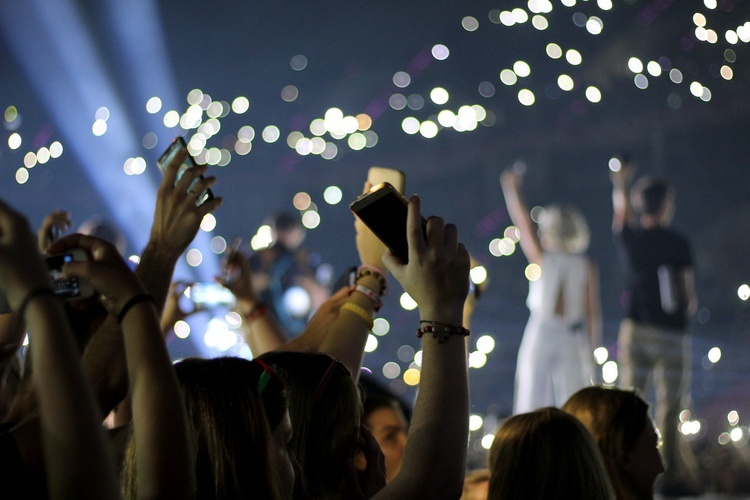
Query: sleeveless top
562	273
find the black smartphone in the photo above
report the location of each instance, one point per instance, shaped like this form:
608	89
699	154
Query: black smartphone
178	144
383	209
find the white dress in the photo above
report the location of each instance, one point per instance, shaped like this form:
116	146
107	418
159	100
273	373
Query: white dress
555	358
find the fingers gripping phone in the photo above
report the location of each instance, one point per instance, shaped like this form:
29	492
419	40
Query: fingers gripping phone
178	144
72	289
383	209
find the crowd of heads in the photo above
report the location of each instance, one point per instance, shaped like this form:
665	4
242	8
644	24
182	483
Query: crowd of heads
296	422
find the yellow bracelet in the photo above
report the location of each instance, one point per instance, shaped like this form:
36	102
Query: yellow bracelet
359	311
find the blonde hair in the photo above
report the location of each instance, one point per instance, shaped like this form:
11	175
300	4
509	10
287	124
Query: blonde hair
565	228
546	454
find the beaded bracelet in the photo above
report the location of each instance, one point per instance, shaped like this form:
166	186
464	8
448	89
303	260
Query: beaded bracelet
256	312
367	270
141	297
31	296
359	311
440	331
369	293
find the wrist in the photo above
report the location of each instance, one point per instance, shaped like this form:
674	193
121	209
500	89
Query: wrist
246	305
447	315
160	253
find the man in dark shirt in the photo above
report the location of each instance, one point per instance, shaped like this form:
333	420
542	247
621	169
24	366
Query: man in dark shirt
660	298
284	275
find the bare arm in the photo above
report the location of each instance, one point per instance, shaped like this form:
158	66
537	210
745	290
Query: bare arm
437	277
11	336
593	307
78	460
687	279
343	333
623	210
176	222
510	181
262	332
347	336
163	452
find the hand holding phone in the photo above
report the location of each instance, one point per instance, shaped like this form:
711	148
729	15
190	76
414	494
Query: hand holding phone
72	288
383	209
179	146
209	295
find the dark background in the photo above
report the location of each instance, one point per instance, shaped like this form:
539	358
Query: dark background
61	61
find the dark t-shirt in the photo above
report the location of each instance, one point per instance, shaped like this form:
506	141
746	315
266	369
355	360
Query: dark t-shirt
645	253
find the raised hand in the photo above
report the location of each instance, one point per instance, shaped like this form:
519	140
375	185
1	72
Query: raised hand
22	269
511	178
172	311
107	272
53	225
369	246
240	279
437	275
177	218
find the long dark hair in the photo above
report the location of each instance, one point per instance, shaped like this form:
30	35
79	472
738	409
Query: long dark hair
228	402
325	409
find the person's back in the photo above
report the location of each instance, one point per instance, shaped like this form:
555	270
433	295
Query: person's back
652	259
561	291
653	341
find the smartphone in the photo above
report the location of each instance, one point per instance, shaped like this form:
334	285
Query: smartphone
396	178
206	295
383	209
230	274
72	289
178	144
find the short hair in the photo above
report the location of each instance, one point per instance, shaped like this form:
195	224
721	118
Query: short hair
616	418
286	221
326	409
566	227
650	194
546	454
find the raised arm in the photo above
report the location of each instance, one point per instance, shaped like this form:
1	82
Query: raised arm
510	182
347	336
342	324
262	332
176	222
623	210
163	453
437	277
78	460
593	307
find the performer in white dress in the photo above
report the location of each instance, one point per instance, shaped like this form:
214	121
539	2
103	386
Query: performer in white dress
555	358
